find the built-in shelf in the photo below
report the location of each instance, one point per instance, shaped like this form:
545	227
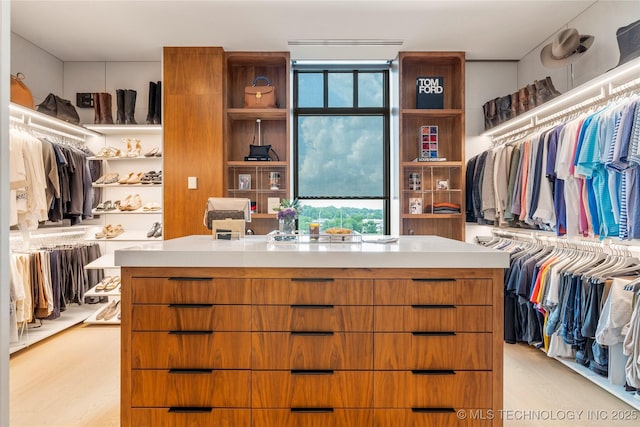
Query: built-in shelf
256	164
117	129
105	261
257	113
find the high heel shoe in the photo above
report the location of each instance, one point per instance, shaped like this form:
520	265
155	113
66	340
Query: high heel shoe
134	152
154	228
152	153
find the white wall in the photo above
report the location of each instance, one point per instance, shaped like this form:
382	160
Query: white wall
601	20
43	71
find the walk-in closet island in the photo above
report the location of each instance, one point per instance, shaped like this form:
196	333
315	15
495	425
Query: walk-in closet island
260	332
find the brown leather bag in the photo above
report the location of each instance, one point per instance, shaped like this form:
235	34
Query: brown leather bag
260	96
20	93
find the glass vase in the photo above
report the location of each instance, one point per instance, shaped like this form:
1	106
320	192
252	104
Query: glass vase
287	225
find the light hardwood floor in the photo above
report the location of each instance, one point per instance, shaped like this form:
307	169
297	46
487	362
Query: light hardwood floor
73	380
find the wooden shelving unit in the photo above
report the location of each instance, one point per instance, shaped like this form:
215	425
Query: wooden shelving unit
450	122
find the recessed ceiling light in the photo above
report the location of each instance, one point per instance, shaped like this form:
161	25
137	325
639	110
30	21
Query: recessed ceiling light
345	42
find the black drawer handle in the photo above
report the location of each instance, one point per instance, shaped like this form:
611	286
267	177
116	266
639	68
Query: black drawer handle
190	409
435	279
433	334
190	371
313	306
190	332
313	410
311	279
432	306
312	333
432	410
191	279
311	372
432	372
190	305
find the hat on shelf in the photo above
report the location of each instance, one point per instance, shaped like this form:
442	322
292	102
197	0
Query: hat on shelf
567	46
628	42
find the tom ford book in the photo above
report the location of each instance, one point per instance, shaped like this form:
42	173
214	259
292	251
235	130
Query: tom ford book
430	92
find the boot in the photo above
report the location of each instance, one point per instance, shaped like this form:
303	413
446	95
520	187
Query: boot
523	100
504	108
130	107
96	108
487	117
105	109
531	89
514	104
120	106
157	111
152	102
553	90
493	112
543	94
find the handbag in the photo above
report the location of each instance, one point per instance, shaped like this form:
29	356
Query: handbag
59	108
260	96
20	93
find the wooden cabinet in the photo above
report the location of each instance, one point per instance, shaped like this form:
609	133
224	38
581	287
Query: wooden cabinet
242	130
432	193
314	347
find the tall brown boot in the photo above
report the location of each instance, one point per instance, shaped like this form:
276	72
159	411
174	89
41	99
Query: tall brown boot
105	109
531	89
523	100
96	108
514	104
553	90
543	94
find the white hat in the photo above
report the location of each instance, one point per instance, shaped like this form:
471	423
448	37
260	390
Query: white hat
567	46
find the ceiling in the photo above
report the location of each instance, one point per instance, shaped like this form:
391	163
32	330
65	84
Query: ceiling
137	30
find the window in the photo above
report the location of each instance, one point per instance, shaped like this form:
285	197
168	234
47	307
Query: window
341	147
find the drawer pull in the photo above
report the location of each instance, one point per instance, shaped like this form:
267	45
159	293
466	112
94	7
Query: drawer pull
311	279
311	372
312	334
432	410
434	306
435	279
433	334
313	410
190	409
190	332
191	279
432	372
190	305
312	306
190	371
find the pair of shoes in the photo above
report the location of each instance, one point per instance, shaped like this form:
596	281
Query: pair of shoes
134	147
101	285
131	178
155	152
131	203
109	152
104	207
107	178
108	283
109	311
151	206
155	230
110	232
151	177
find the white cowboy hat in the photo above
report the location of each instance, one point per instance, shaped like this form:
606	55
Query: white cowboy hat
567	46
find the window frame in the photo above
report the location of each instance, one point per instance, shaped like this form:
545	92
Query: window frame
384	111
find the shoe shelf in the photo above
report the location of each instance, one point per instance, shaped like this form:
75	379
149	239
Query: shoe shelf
94	293
126	129
118	212
128	236
104	262
124	159
150	185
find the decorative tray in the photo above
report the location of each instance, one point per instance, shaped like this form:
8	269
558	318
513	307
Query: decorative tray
297	237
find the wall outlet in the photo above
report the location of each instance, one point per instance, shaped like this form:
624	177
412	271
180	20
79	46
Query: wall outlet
84	100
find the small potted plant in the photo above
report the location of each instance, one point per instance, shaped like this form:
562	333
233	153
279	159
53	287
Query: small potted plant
287	215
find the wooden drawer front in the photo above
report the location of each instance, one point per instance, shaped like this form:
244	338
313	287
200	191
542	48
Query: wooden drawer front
430	418
406	351
161	388
312	418
340	318
432	389
303	389
191	317
190	290
313	291
451	318
164	350
433	291
190	417
283	350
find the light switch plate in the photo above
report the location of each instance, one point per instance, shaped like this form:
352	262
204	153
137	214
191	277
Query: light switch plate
192	182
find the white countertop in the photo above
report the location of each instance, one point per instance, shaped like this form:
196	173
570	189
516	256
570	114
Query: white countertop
255	251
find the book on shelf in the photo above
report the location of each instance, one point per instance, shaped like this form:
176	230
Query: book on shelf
430	159
430	92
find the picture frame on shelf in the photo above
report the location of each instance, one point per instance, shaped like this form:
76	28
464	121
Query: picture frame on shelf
244	181
415	205
442	184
